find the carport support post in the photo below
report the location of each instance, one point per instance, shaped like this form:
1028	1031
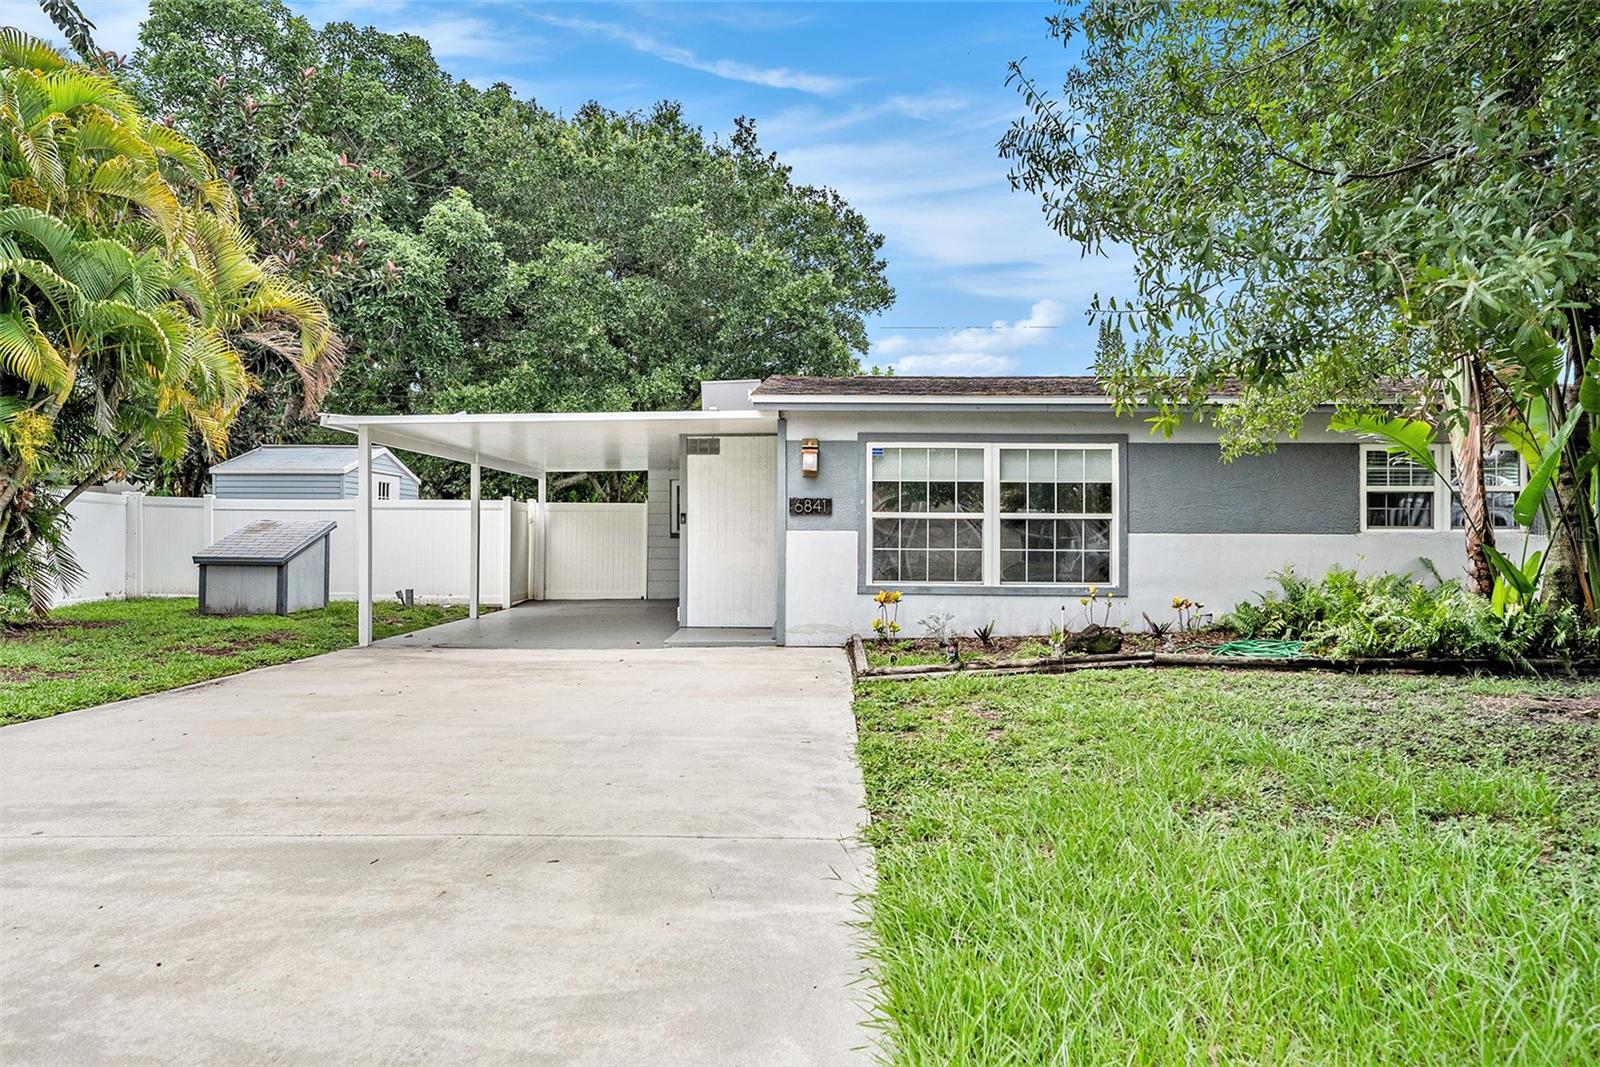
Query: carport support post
364	537
476	509
541	523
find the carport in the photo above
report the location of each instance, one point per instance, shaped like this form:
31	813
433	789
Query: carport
728	559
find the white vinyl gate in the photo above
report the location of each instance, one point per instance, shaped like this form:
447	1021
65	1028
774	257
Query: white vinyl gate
595	551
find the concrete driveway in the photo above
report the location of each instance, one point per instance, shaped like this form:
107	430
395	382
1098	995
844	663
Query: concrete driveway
442	855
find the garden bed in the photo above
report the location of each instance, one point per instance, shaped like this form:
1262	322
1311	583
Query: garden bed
1031	655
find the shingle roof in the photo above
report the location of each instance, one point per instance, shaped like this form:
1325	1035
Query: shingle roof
265	541
292	459
1083	385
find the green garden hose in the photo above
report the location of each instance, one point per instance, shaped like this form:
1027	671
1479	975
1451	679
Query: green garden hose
1259	649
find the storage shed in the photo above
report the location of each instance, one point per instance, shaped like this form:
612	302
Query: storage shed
310	472
266	568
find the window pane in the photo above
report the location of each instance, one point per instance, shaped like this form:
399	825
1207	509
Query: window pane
1396	469
1500	506
969	566
913	566
1097	534
941	496
1503	467
969	533
913	464
886	466
885	533
1013	533
942	565
913	533
1097	465
941	535
969	464
886	566
1069	498
1041	533
1069	465
885	496
913	496
1097	567
1097	498
1013	465
1041	465
1069	566
942	464
1013	497
1041	566
1069	533
1400	510
1013	567
1041	496
969	496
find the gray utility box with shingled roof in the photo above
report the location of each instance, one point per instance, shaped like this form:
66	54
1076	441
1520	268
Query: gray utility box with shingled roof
266	568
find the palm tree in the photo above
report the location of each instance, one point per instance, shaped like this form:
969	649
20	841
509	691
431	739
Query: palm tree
129	287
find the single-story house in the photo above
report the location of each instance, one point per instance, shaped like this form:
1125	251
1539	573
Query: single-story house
310	472
788	503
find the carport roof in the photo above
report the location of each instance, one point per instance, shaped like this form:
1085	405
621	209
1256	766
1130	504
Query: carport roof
539	443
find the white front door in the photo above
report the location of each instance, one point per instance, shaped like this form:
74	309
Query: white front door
731	508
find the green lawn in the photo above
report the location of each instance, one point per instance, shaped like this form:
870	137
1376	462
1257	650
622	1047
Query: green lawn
113	649
1192	866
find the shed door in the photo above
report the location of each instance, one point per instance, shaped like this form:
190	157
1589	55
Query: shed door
730	505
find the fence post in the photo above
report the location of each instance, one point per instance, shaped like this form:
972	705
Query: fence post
133	545
542	525
209	523
506	543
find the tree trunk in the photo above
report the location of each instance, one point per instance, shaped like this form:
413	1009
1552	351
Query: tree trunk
1468	448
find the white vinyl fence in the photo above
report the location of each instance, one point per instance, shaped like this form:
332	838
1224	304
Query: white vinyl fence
134	545
596	552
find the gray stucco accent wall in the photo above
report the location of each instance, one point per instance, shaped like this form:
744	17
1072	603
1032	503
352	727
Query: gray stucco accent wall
839	473
1300	488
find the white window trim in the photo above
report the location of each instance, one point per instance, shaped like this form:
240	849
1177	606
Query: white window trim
1442	498
991	514
381	482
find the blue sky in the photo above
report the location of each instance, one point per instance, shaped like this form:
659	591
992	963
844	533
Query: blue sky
898	106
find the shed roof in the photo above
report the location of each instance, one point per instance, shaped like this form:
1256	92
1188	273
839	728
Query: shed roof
265	542
298	459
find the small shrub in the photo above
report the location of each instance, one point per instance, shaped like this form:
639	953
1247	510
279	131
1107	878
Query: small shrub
1346	616
985	634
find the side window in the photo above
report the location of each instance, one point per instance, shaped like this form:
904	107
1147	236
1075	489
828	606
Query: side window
1397	491
1502	481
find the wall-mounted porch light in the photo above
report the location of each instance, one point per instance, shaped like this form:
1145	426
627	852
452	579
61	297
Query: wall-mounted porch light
810	457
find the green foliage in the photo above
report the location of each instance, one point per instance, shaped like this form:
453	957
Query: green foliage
1346	616
1321	198
483	254
130	289
1186	867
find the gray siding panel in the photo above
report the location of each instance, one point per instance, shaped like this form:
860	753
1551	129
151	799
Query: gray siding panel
661	556
381	464
840	469
276	486
1300	488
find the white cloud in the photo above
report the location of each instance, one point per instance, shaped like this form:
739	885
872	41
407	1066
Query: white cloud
730	69
973	350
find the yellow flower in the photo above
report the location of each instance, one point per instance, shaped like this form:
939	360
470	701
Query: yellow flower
1083	600
894	596
1177	601
1094	590
894	627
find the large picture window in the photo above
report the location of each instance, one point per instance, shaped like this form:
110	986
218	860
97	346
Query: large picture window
1055	516
927	514
992	514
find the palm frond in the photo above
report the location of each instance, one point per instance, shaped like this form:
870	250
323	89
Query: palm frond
18	49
